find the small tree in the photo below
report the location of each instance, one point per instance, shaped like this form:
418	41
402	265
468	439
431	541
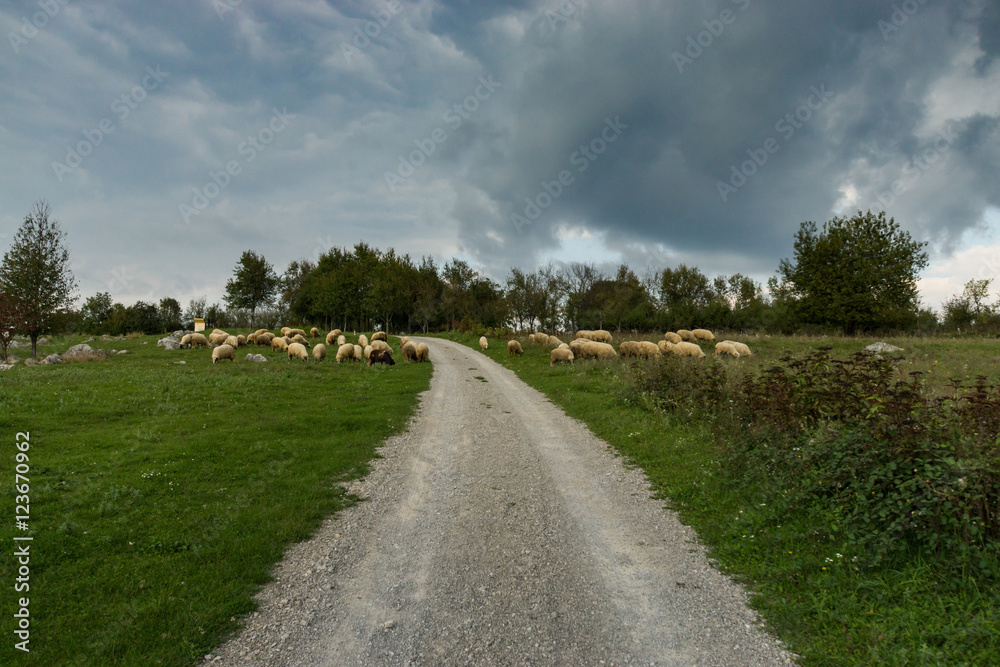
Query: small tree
857	273
11	319
254	284
96	311
169	312
35	271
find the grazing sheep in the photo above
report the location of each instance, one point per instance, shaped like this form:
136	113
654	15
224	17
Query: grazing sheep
666	347
585	334
279	344
726	348
703	334
483	343
319	352
218	338
359	352
380	345
514	348
265	338
298	351
232	342
671	337
331	337
381	357
552	341
368	351
285	330
345	353
198	340
300	332
688	350
740	347
379	335
560	355
628	348
576	344
686	335
241	341
595	350
648	350
601	336
563	346
341	339
362	340
223	352
314	333
300	339
186	341
409	351
336	332
404	340
423	352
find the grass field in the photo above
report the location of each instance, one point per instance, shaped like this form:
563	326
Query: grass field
161	494
809	588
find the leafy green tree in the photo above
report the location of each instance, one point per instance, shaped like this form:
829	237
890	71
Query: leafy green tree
11	318
254	284
169	312
970	310
857	274
36	273
96	311
196	308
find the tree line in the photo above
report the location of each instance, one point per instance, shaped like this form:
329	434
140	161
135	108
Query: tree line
851	275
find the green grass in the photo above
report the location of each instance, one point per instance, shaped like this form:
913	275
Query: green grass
823	605
162	494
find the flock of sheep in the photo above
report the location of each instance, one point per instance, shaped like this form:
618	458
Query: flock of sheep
597	345
296	344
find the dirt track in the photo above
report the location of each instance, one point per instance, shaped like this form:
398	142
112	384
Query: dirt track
499	531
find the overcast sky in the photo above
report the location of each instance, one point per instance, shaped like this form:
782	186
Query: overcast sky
169	137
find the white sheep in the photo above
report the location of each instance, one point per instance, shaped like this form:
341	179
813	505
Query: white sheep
380	344
232	342
423	352
514	348
198	340
740	347
409	351
218	338
341	340
686	349
314	333
595	350
483	343
379	335
368	351
404	340
362	340
671	337
319	352
186	341
359	352
586	334
560	355
686	335
345	353
601	336
703	334
300	339
279	344
223	352
331	337
241	341
298	351
726	348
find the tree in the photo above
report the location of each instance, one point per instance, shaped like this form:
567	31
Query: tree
254	284
96	311
36	273
11	319
196	308
970	309
857	274
169	313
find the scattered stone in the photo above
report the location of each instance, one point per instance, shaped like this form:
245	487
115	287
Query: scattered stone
255	357
43	341
90	340
122	351
181	362
12	359
6	367
18	343
32	362
882	348
52	359
145	342
84	352
169	343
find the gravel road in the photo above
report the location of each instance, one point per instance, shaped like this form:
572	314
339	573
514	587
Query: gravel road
498	531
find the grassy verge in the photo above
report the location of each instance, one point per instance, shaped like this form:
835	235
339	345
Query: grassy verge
814	591
161	493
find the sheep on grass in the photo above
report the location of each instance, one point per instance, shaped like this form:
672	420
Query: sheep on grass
362	340
423	352
341	339
381	345
368	351
560	355
671	337
345	353
686	349
703	334
379	335
381	357
483	343
666	347
331	337
595	350
198	340
740	347
279	344
218	338
359	352
601	336
285	330
298	351
514	348
686	335
241	341
232	342
404	340
300	339
223	352
726	348
314	333
319	352
409	352
186	341
586	334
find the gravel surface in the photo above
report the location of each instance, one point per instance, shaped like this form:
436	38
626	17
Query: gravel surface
497	530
